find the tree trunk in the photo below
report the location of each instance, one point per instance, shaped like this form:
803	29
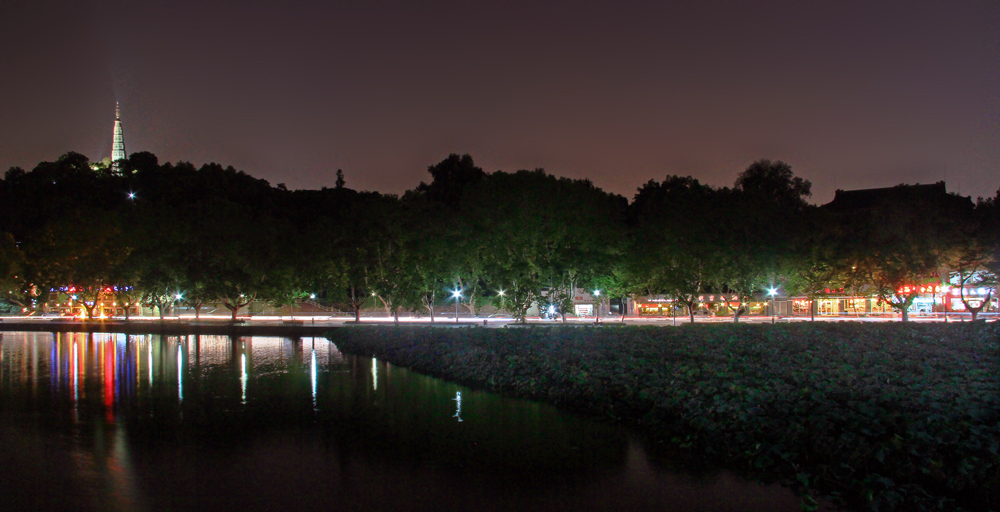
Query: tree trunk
197	311
357	312
395	316
812	309
975	311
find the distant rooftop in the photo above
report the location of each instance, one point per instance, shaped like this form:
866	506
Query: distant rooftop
853	200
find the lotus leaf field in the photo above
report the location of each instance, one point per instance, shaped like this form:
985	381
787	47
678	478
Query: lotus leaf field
887	416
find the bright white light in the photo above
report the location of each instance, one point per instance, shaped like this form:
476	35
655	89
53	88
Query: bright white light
772	291
982	291
312	295
597	293
131	195
456	294
552	309
180	374
178	296
458	405
312	373
374	374
243	376
500	293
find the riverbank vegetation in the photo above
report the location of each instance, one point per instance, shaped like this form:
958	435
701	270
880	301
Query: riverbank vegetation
872	416
85	238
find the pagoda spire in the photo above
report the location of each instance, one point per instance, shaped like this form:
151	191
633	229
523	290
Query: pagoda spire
118	143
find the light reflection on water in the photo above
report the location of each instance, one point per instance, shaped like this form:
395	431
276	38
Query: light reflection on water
116	422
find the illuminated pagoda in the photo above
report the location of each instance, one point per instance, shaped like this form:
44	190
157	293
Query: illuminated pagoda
118	144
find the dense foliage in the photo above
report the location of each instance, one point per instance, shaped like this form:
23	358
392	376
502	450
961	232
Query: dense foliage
162	233
874	416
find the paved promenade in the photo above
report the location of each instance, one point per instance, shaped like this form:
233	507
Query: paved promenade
314	325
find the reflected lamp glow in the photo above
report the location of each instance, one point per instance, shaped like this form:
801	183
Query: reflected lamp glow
374	374
312	373
180	374
243	377
458	406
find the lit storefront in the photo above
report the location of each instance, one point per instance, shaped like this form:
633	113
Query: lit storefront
707	305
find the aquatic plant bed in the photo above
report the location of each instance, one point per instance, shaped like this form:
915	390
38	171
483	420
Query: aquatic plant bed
887	416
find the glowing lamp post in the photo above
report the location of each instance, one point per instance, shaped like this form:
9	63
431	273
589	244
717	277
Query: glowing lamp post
772	292
597	315
457	294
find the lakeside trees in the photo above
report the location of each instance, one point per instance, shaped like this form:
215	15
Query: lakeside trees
169	233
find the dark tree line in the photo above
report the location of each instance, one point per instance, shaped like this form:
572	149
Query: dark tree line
158	233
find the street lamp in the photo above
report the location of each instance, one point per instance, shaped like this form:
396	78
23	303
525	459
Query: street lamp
457	294
597	316
771	292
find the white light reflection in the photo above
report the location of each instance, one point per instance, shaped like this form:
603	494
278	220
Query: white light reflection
458	405
180	374
243	376
312	373
374	374
149	361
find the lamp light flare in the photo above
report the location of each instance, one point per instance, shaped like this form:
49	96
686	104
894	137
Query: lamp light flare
772	291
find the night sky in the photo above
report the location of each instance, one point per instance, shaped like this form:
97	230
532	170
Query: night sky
852	94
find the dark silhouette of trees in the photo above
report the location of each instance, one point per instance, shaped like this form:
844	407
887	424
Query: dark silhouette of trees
173	233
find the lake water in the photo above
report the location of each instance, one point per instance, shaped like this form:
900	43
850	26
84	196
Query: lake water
114	422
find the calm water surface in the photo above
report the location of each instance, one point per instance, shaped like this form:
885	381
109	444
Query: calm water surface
116	422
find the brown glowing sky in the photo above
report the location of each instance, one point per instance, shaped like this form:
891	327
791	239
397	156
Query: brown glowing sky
853	94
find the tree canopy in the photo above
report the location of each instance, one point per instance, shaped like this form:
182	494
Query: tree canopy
172	232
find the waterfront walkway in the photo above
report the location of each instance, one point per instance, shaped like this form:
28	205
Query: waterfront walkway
316	325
